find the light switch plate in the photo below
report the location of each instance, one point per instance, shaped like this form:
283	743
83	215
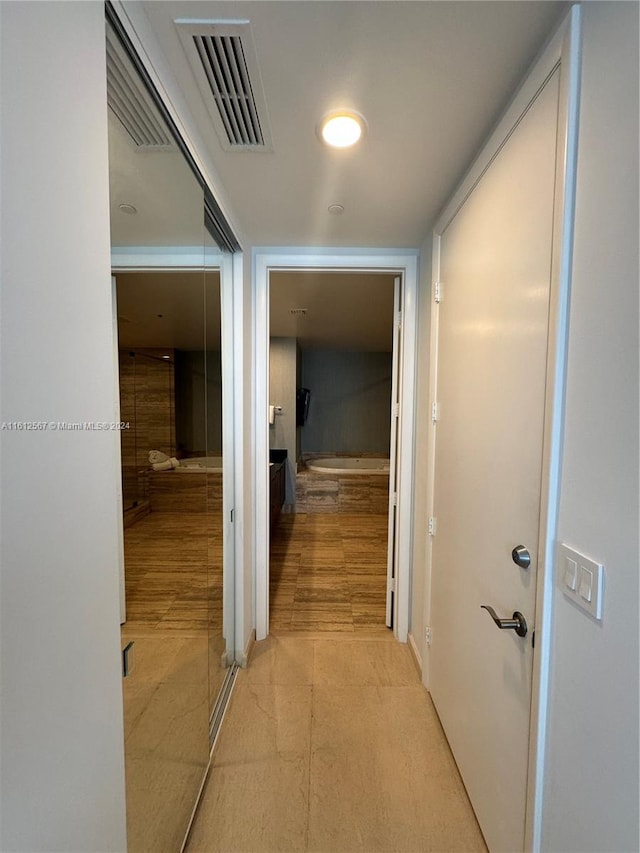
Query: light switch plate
581	579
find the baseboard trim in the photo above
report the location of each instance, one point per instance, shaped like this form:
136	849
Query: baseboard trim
131	516
415	654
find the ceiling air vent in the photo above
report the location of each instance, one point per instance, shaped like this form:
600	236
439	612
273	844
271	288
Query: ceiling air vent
223	60
130	102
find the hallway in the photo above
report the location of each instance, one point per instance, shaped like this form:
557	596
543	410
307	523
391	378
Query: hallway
331	744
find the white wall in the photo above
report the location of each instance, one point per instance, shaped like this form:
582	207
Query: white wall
419	584
61	736
591	793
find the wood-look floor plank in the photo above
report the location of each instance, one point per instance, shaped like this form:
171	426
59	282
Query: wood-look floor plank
328	572
173	582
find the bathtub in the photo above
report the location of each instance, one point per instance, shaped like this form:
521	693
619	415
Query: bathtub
348	465
201	463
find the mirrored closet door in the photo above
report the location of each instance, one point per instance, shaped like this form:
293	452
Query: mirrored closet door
167	294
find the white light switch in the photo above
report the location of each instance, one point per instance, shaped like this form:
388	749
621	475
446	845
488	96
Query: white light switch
570	573
581	579
586	583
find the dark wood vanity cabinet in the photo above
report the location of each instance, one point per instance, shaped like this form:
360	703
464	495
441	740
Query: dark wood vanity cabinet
277	479
276	490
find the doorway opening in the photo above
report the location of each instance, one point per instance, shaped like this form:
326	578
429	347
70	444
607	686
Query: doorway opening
368	585
332	436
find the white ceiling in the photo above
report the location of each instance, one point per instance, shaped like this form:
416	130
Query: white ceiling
177	310
344	310
431	78
351	311
159	184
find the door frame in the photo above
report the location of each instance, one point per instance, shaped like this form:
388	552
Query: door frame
562	51
399	262
396	385
118	450
195	259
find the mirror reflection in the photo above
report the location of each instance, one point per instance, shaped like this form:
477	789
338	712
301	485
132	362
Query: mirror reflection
168	319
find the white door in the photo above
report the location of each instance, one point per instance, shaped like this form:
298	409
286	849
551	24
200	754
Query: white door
495	269
392	539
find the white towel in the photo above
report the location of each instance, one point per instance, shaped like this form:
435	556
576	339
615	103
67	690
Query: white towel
174	462
163	466
157	456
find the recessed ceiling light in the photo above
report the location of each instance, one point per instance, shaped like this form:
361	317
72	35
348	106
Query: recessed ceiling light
127	208
336	209
342	128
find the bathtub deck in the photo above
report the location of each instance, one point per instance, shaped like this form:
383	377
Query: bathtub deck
366	494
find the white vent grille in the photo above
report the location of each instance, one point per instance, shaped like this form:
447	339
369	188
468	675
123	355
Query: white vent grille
224	64
131	104
223	60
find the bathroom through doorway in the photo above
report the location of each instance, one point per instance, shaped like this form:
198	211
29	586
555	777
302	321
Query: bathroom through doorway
331	430
333	553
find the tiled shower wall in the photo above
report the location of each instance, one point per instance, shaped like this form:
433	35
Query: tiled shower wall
147	403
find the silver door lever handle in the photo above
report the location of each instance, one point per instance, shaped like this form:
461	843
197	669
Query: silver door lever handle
521	556
517	623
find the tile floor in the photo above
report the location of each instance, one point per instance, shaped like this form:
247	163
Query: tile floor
173	563
328	573
331	744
